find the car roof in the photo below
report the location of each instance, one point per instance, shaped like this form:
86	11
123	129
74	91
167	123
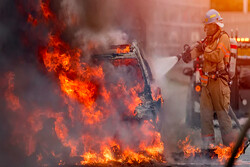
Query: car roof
123	51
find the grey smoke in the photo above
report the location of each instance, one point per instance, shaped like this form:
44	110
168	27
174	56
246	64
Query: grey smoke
104	22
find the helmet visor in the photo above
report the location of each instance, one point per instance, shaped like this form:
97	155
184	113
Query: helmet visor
220	24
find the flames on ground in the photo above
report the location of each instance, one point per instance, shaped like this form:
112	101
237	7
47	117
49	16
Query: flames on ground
220	152
224	153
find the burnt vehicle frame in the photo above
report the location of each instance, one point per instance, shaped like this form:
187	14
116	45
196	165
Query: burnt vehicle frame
240	93
149	108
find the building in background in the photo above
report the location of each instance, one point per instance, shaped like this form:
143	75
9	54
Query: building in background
235	14
173	24
164	26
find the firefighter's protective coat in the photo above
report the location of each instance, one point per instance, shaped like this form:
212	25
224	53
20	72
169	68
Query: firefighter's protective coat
216	54
215	95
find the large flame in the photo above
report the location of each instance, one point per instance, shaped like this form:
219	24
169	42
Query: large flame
98	122
95	124
79	82
114	152
83	88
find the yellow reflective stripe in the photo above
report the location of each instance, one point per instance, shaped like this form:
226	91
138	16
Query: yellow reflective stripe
212	15
222	45
227	55
224	49
204	79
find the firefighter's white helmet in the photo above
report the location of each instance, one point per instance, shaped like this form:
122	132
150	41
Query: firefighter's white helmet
213	16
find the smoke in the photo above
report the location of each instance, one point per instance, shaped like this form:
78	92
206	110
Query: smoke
90	42
32	104
102	35
37	107
103	18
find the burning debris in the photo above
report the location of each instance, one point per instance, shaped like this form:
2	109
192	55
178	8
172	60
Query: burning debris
218	153
188	149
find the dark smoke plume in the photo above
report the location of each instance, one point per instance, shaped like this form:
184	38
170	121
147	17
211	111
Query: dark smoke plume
26	123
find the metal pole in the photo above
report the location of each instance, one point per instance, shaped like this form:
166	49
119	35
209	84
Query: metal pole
239	143
233	116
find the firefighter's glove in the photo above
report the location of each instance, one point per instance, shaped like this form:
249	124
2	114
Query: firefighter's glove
186	55
200	47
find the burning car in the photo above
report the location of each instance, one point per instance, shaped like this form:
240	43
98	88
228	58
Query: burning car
131	58
92	108
111	98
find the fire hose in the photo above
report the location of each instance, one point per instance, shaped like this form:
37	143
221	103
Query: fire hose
186	49
233	116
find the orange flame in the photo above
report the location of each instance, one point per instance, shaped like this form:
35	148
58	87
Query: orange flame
114	153
45	9
225	152
32	20
123	50
90	103
187	148
77	81
156	94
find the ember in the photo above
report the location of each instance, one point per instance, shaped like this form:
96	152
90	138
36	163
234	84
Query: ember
45	9
12	100
32	20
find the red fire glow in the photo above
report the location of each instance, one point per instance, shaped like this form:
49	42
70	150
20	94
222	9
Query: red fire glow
95	125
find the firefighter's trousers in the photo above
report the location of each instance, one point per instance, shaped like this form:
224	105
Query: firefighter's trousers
215	98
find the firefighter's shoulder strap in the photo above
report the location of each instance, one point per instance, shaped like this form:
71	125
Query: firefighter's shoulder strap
224	48
230	56
223	32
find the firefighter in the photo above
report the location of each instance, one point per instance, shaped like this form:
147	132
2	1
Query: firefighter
215	94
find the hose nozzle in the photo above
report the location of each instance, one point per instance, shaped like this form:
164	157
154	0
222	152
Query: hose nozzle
179	56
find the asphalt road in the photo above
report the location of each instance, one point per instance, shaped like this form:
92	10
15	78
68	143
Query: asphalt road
174	87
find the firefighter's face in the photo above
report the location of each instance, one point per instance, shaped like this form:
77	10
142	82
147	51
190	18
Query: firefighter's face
210	29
